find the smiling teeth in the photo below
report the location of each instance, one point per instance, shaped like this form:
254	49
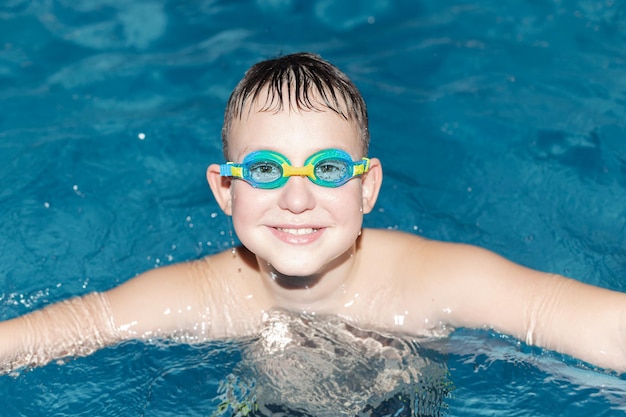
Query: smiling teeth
298	232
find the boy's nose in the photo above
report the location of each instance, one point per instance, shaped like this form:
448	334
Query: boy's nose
297	195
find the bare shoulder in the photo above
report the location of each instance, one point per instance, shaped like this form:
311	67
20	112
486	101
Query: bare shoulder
412	251
229	261
210	294
434	283
391	247
413	261
230	280
389	240
400	280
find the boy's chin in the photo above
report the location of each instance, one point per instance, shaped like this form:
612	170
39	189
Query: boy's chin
305	266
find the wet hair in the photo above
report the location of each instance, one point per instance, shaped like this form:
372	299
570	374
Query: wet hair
307	82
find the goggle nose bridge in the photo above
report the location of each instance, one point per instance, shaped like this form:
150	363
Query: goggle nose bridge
305	171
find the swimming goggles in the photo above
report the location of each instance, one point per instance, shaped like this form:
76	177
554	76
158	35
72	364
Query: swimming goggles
268	169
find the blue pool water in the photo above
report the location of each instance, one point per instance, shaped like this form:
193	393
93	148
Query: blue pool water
500	124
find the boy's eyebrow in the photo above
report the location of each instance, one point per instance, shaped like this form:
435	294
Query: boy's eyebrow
249	149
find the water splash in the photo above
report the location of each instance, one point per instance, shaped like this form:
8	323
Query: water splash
323	366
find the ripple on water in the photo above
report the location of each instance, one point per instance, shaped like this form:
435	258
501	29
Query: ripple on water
321	366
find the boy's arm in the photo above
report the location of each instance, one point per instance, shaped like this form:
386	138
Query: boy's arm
73	327
158	303
163	302
477	288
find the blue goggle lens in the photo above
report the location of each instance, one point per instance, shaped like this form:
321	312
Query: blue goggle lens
265	172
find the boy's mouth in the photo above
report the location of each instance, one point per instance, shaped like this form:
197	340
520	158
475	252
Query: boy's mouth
298	235
297	232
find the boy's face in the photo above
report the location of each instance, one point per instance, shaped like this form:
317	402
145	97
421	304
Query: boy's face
300	228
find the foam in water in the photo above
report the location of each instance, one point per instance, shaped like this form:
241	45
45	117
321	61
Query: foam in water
324	366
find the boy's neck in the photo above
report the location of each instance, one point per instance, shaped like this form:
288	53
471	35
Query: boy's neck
318	293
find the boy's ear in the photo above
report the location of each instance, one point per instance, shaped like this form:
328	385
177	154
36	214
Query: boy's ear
371	180
220	186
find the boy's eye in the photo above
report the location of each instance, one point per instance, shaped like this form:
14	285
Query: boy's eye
330	170
265	171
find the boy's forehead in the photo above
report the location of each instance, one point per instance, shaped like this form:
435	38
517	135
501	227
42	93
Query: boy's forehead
262	128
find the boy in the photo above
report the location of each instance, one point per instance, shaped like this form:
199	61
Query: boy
297	187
